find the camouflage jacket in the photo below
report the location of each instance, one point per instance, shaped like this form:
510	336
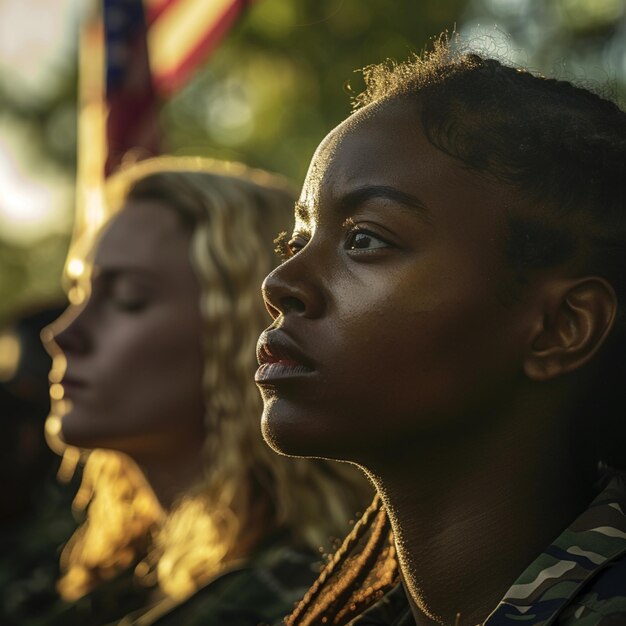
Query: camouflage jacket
256	592
579	580
29	559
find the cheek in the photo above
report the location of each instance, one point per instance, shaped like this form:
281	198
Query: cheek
163	370
158	350
396	362
426	356
148	381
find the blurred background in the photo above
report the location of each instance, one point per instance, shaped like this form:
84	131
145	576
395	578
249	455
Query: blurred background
273	87
273	78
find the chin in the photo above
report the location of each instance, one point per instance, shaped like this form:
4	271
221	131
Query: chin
291	433
286	430
76	431
280	437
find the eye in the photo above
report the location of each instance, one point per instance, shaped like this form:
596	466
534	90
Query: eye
286	246
126	297
362	239
129	306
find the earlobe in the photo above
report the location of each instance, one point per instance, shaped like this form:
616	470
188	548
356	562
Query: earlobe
577	317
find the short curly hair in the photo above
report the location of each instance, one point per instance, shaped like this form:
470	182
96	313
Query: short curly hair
563	149
560	146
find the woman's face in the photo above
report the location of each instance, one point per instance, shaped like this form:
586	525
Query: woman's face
134	350
389	321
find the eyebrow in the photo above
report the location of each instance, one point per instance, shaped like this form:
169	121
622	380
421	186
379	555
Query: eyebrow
360	196
355	198
111	273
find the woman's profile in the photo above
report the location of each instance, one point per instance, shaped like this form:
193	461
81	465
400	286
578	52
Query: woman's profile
449	318
180	490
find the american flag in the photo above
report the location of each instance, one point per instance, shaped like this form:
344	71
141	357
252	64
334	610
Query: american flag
132	121
182	33
151	54
134	55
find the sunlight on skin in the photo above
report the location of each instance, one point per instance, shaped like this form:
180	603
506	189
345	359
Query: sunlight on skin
9	355
75	268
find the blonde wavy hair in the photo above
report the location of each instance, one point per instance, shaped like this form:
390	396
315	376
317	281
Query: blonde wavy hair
234	213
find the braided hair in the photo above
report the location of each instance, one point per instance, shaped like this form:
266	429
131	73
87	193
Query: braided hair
563	149
364	567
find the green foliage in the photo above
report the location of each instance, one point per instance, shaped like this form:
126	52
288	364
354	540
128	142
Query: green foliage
29	275
280	81
274	87
580	40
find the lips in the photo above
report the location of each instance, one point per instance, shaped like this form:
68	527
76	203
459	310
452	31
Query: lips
71	384
280	358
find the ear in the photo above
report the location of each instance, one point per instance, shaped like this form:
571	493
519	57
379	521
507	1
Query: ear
577	317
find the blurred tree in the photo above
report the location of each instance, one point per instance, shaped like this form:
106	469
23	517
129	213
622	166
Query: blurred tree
30	274
278	84
267	96
52	117
584	40
30	269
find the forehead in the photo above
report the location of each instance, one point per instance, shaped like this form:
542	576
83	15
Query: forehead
384	145
144	232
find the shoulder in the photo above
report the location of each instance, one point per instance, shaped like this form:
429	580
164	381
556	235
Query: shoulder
602	602
259	592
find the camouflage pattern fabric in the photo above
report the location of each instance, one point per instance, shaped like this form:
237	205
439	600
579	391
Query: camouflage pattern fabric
573	583
579	580
258	592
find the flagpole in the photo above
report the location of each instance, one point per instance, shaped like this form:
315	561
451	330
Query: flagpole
91	148
120	87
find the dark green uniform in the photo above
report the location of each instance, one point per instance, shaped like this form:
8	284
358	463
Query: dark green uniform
29	559
579	580
29	570
259	591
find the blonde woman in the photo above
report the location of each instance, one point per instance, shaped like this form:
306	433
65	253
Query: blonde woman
179	487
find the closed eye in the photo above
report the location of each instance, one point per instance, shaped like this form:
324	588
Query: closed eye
129	305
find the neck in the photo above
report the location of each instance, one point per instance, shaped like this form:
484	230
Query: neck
471	515
170	478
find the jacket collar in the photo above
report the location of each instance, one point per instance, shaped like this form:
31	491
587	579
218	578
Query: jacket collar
588	545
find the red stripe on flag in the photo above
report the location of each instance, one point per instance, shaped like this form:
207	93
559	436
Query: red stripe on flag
133	109
155	10
170	82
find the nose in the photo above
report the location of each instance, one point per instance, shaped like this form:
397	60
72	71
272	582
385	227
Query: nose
290	289
66	334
